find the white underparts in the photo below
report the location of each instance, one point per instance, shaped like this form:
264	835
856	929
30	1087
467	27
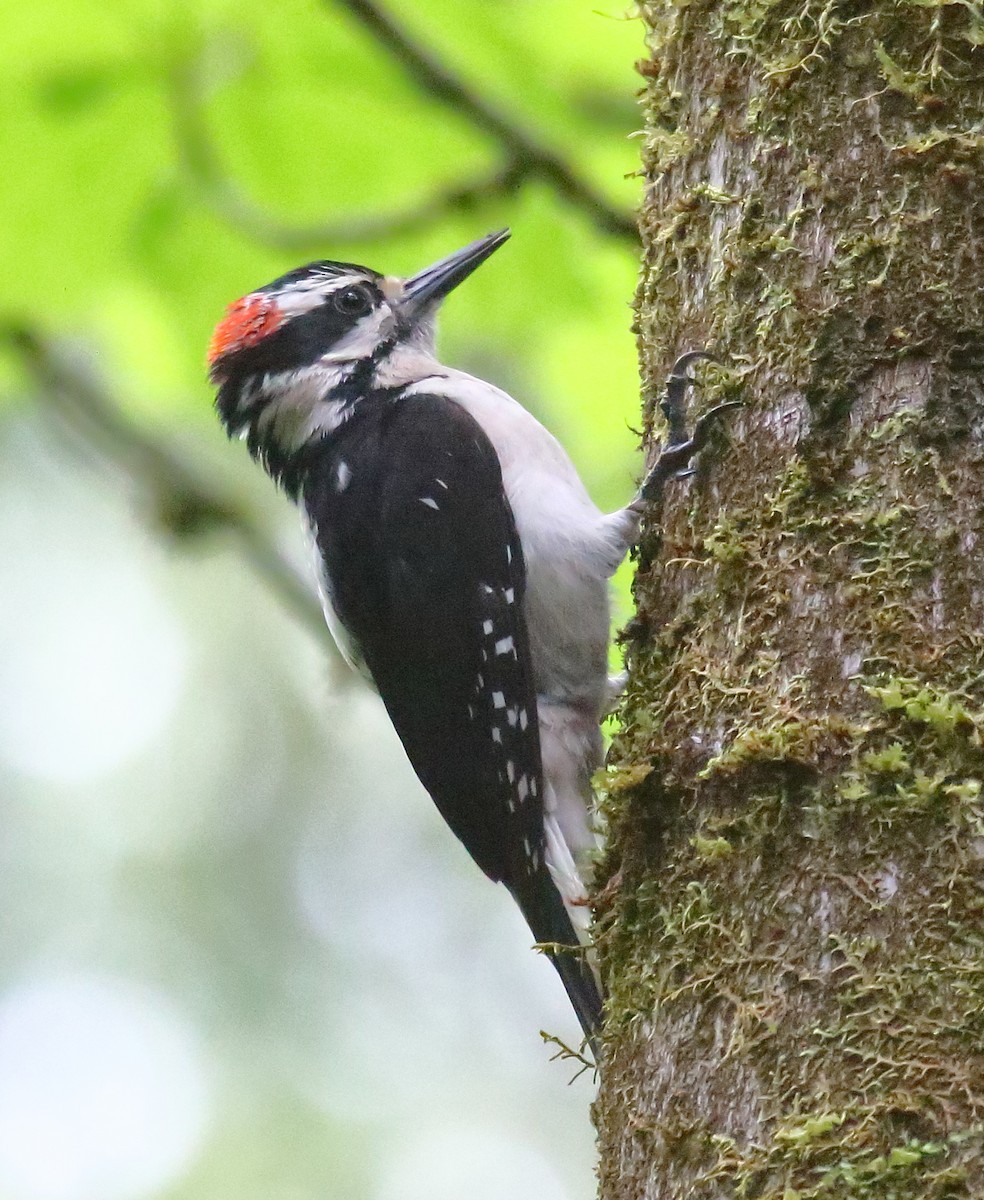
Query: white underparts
565	874
570	745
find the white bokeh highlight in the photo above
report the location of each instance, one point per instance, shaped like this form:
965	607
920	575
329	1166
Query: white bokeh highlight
103	1091
92	661
449	1163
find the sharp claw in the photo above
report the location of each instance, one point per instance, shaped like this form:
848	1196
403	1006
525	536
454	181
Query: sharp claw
704	423
679	368
713	413
674	461
676	388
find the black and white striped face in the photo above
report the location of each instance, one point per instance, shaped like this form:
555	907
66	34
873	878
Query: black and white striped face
327	315
292	359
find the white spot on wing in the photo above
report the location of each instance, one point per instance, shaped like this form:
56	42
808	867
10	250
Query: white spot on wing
429	501
498	699
343	475
441	483
487	626
504	645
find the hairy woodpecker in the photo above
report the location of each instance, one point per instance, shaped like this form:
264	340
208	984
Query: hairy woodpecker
463	567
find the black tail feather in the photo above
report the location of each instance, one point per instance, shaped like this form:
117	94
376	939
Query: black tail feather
549	922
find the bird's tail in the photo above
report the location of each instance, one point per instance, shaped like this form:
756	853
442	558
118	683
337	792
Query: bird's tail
550	923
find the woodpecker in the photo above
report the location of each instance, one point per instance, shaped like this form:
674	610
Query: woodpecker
463	567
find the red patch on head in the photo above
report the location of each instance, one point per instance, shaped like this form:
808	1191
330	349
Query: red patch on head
246	323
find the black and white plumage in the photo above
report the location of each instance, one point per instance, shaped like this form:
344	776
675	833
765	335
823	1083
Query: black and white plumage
464	568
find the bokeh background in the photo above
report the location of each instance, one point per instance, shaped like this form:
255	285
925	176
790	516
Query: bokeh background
240	956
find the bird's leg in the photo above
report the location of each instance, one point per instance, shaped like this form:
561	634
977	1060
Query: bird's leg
672	462
675	457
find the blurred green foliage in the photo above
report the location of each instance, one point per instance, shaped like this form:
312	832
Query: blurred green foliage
109	233
187	807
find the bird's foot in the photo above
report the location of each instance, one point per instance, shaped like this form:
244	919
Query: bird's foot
675	457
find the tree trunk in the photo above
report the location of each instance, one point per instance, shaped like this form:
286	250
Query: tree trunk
792	928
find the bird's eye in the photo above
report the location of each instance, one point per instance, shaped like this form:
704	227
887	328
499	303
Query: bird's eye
352	301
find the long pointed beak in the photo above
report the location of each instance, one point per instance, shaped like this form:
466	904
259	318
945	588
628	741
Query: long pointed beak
428	287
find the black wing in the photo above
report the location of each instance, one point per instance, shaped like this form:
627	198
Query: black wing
426	572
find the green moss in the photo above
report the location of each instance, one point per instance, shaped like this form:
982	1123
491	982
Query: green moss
916	64
713	848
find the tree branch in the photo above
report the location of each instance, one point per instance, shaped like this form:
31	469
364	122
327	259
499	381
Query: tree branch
224	198
523	159
183	501
436	79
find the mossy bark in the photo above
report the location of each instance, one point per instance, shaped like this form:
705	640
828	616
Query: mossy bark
793	924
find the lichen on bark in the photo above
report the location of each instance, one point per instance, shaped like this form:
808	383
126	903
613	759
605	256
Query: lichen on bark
792	926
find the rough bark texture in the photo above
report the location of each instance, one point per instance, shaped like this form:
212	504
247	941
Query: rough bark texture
793	927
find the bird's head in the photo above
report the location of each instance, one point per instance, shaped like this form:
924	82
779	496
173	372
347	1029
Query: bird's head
292	359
